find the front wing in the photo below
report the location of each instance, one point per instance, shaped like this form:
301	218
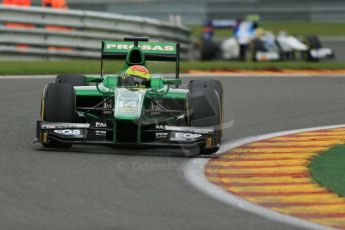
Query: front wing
187	138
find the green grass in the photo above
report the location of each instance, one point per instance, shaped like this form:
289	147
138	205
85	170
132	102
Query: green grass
296	28
93	67
329	169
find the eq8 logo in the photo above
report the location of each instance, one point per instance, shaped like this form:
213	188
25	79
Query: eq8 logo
187	136
68	132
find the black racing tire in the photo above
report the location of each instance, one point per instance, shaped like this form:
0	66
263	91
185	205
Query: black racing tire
212	84
243	50
202	84
209	50
58	105
313	42
206	108
282	56
72	79
255	46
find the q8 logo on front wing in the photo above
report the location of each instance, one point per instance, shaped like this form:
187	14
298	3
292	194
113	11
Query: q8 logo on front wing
184	136
69	132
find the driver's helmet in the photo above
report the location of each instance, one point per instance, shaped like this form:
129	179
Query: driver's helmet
137	75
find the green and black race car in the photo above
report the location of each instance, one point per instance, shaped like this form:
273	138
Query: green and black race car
107	110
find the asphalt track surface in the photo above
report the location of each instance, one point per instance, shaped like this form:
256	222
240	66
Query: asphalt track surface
338	47
103	188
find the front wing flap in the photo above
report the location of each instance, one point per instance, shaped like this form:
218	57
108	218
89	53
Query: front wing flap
182	137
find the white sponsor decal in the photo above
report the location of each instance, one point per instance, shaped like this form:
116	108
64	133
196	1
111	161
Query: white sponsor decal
143	47
161	135
101	133
101	124
188	129
162	127
185	136
68	132
52	125
184	129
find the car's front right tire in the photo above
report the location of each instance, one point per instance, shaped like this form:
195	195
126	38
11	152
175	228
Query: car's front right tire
71	79
206	108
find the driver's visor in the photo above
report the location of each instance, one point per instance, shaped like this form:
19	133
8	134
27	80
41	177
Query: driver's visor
132	80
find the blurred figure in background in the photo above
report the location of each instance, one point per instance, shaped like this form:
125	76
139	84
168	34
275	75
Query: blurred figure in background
22	3
57	4
17	2
208	30
244	32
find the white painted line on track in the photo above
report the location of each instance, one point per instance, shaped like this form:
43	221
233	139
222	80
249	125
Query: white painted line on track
194	171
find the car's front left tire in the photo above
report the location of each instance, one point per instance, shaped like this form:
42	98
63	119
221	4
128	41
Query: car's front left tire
58	105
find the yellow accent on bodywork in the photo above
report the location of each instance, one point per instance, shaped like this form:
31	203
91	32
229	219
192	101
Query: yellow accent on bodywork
42	105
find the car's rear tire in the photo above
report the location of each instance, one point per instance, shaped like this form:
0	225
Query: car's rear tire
58	105
72	79
255	46
313	42
209	50
206	108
